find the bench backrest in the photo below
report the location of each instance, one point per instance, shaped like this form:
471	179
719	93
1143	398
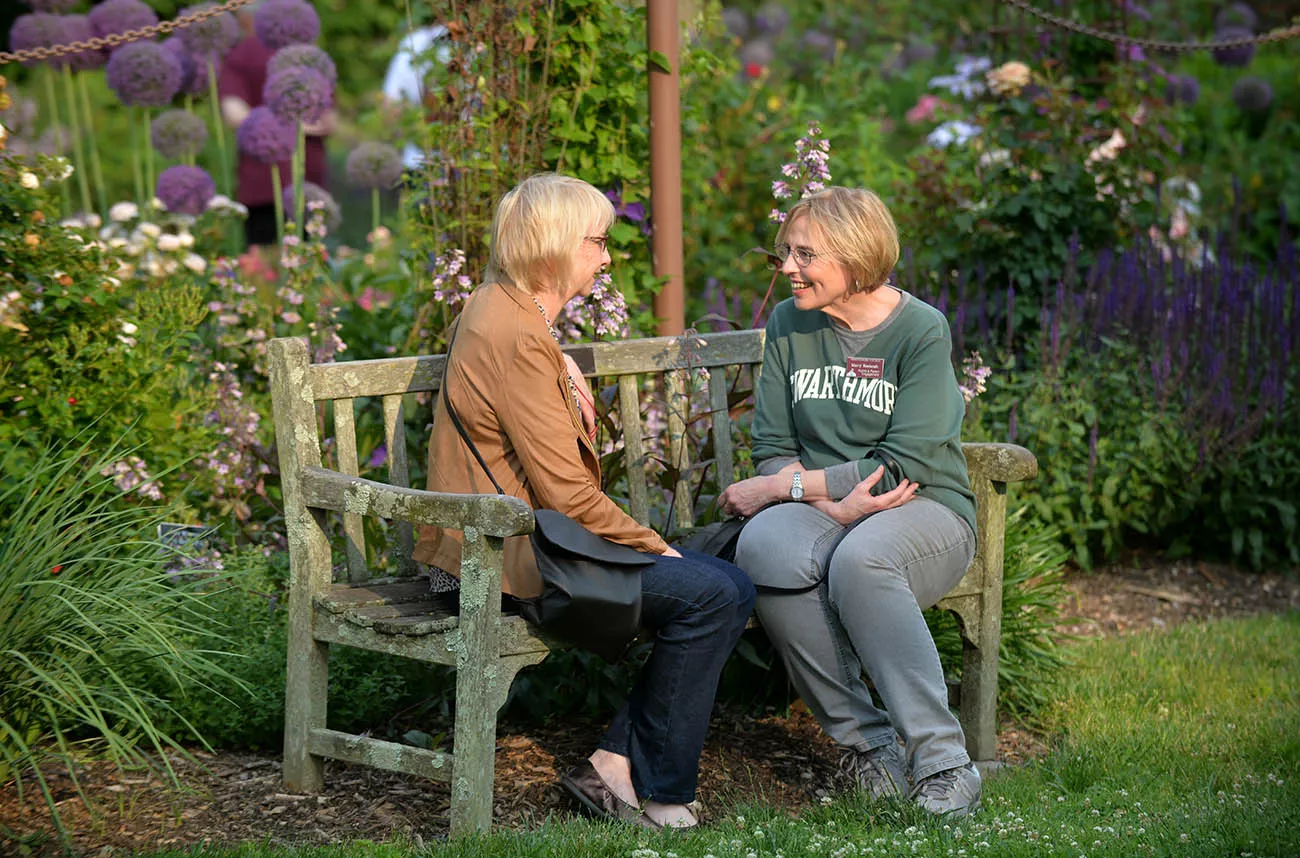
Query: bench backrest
671	365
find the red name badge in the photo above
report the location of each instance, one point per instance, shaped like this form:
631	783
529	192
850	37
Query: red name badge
865	367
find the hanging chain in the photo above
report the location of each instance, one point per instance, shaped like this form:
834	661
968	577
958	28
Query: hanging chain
1279	35
115	39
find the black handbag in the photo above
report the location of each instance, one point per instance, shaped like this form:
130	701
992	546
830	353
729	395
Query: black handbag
591	587
717	539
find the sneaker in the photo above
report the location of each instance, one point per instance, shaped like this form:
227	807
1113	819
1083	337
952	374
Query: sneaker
880	772
955	792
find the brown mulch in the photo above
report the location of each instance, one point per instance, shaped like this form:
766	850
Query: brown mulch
777	759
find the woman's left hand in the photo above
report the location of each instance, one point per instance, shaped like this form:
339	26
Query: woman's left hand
747	496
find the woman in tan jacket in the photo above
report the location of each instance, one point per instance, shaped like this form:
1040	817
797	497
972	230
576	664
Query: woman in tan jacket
510	386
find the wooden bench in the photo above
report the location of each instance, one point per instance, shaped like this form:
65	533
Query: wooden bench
395	614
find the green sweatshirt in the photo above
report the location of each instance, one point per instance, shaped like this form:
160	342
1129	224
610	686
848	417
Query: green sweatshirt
896	397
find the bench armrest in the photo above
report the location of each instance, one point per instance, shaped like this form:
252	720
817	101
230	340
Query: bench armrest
493	515
1001	463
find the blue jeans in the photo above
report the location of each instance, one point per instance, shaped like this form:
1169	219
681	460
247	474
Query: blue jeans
696	607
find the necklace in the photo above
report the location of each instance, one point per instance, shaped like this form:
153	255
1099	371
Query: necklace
573	385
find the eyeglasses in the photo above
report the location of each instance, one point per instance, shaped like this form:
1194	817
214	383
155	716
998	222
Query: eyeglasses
803	257
598	240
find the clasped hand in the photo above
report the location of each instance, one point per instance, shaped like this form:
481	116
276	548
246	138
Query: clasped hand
747	497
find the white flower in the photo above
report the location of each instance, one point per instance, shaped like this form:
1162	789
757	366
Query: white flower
30	182
219	201
195	263
65	167
157	204
186	239
152	230
994	157
953	131
129	328
1109	150
168	242
92	220
122	212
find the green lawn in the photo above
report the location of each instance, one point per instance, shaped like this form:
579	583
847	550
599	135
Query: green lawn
1184	742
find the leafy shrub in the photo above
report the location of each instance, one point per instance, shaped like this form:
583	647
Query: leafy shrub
93	631
1032	165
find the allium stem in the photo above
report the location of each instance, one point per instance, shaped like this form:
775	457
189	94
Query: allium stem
78	145
148	154
299	177
278	190
97	169
137	173
219	130
374	209
47	73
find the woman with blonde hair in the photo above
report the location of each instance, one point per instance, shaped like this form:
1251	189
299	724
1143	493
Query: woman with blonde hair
867	516
521	406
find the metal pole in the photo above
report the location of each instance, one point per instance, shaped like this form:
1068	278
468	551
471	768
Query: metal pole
666	167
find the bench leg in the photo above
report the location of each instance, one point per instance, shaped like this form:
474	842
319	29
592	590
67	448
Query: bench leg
979	696
307	668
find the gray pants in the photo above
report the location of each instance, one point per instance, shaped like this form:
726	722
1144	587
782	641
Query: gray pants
865	613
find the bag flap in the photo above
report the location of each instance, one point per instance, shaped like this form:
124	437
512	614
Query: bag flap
557	530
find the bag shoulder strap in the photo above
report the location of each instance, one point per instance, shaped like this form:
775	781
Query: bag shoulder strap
455	418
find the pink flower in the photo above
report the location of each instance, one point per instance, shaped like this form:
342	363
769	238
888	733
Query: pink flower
924	109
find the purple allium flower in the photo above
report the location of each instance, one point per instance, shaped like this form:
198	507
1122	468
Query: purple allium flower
314	193
819	42
1182	89
305	56
185	190
298	94
194	73
1236	15
1252	94
286	22
144	74
266	137
374	165
736	21
51	5
36	30
771	18
1238	57
76	28
211	37
177	133
118	16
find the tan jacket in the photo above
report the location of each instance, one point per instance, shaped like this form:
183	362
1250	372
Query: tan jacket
509	385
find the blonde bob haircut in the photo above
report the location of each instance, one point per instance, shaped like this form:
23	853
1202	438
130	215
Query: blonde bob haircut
856	230
537	230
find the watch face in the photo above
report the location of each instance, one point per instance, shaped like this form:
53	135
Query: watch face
796	490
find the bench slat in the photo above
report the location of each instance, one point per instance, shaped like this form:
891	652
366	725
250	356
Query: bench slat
678	406
629	413
399	475
724	456
354	533
409	760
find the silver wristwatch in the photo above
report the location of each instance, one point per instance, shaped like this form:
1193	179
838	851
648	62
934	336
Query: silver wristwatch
796	488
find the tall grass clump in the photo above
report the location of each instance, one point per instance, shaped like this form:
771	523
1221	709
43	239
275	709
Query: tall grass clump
90	617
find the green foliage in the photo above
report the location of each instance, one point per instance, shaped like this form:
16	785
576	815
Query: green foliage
1246	511
1112	463
93	630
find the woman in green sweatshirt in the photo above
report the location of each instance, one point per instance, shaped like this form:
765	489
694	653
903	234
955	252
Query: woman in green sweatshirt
862	510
